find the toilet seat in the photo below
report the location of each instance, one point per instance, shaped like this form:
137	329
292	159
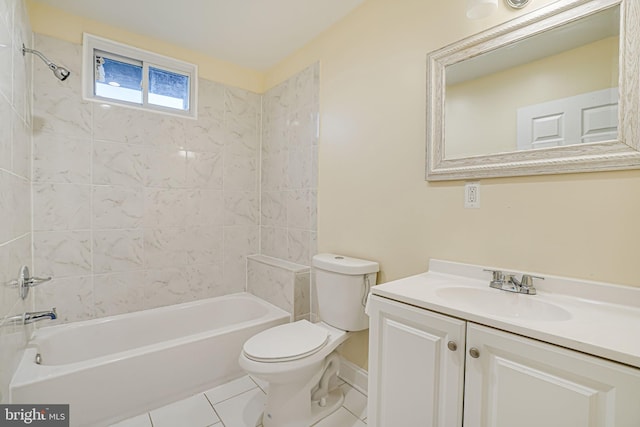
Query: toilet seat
291	341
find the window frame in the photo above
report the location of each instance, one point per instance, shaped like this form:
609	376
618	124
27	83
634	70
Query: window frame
92	43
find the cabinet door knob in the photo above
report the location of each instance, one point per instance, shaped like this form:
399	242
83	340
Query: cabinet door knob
452	345
474	352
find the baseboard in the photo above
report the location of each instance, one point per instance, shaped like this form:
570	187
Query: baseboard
354	375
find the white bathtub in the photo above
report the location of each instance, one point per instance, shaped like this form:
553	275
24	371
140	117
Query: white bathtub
113	368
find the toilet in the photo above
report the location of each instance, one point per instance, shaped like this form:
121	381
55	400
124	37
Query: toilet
298	359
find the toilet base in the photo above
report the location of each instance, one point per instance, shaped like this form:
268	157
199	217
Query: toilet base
333	401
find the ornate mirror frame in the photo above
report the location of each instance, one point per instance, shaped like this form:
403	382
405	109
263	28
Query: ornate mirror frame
622	153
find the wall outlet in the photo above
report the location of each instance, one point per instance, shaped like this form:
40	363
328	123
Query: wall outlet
472	195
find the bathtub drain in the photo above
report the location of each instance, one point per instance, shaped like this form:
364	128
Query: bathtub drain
38	359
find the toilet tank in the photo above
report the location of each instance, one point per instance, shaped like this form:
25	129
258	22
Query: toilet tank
342	285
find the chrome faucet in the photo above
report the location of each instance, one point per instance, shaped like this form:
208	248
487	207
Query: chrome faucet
31	317
509	282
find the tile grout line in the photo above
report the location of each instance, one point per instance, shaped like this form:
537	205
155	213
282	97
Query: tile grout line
214	409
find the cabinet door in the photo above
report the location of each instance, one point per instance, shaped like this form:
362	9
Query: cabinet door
516	381
415	380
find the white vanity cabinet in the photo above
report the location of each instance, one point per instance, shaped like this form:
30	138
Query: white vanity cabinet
507	380
416	366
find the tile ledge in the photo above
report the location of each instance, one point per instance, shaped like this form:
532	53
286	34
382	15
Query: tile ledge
280	263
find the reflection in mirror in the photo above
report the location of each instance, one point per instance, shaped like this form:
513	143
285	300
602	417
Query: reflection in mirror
556	88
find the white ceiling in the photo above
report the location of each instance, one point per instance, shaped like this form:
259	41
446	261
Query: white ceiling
252	33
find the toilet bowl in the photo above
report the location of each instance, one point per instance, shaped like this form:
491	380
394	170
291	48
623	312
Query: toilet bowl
298	360
293	358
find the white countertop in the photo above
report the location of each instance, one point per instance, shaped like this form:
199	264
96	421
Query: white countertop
602	319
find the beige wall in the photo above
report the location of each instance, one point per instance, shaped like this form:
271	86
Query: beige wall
373	201
54	22
488	108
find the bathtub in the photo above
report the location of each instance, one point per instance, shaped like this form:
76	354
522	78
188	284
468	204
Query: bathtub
116	367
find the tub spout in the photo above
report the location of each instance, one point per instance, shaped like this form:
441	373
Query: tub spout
37	316
31	317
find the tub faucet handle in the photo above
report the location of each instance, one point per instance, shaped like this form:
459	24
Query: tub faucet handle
26	281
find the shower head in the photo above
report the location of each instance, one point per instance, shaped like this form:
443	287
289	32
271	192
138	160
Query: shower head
60	72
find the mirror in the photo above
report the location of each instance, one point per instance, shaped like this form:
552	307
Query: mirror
538	95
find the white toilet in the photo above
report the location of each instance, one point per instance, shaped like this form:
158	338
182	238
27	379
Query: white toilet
298	359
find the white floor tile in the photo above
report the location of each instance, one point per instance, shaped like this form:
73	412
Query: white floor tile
354	401
261	383
341	418
193	412
244	410
230	389
139	421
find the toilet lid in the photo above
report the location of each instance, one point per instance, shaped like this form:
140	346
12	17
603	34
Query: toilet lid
286	342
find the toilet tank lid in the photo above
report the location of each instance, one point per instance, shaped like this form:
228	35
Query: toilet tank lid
343	264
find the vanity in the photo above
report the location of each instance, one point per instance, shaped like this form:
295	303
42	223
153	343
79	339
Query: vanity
446	350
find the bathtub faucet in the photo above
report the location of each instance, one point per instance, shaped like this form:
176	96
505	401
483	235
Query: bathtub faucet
31	317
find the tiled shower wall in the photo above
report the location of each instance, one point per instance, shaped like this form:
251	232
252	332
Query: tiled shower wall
15	180
133	209
290	168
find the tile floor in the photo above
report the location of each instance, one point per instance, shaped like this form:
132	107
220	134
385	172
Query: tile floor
239	403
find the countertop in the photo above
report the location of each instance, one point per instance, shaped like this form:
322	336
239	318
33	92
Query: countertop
603	319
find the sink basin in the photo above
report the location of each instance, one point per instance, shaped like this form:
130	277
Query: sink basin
504	304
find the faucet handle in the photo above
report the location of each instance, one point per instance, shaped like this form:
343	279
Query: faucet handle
527	280
497	275
497	278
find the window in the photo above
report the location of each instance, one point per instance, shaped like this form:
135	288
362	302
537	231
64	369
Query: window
120	74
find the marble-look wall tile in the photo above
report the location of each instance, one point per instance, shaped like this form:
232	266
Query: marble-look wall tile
5	131
299	246
21	147
204	207
61	207
22	66
272	284
165	247
117	250
302	295
117	124
6	61
299	206
166	168
239	242
274	242
73	298
204	245
205	281
241	208
204	170
15	206
118	293
165	287
165	207
119	164
61	159
289	168
117	207
240	172
274	208
62	253
280	282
